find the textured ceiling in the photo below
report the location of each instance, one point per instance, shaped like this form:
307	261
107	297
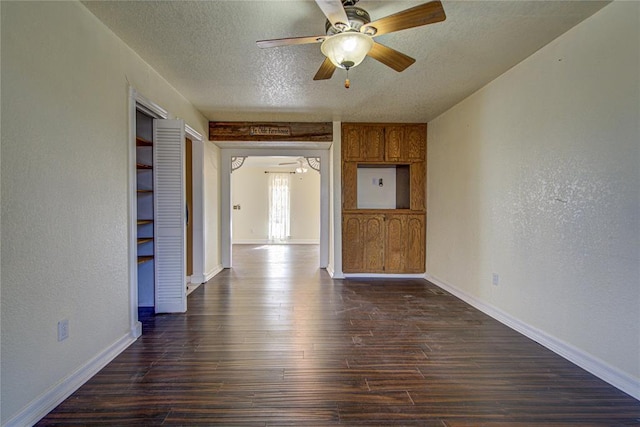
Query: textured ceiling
207	51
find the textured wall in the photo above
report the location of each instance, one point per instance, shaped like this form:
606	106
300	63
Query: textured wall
250	189
65	131
535	178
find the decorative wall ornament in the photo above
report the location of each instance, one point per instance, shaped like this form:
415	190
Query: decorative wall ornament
237	162
314	163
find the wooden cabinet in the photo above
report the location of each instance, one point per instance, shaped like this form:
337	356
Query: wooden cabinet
367	142
384	240
383	243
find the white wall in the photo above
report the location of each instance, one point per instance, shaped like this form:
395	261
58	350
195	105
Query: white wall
65	139
535	178
305	207
250	190
213	264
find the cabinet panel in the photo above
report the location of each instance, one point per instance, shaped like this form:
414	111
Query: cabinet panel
349	185
418	177
394	244
351	136
394	143
373	236
415	139
414	259
352	245
363	243
372	143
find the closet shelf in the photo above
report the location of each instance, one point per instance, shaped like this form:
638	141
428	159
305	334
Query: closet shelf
145	221
144	191
144	240
143	259
143	166
141	142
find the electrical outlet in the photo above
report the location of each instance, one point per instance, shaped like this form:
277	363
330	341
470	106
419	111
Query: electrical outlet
496	279
63	329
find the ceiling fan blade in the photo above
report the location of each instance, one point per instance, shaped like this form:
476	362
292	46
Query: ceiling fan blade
325	71
334	12
290	41
390	57
423	14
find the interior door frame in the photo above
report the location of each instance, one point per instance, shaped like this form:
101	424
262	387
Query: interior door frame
226	154
136	101
197	211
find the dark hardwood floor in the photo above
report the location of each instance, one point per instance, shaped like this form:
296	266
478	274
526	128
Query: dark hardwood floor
276	341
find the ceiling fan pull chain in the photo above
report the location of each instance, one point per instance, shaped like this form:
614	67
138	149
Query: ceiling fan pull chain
347	82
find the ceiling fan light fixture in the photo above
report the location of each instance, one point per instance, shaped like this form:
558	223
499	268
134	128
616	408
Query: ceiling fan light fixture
347	50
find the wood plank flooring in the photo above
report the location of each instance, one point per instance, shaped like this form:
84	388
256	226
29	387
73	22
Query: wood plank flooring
276	341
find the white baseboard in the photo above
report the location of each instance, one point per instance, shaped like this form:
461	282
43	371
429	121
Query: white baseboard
136	330
197	279
192	287
51	398
382	276
269	242
588	362
332	273
213	272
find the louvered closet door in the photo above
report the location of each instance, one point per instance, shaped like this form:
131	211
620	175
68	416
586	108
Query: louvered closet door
169	216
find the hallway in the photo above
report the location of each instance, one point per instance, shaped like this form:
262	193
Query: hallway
276	341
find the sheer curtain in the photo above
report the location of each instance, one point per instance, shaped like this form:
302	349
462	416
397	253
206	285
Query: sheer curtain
279	209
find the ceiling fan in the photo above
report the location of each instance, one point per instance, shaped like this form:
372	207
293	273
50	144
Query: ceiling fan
301	165
350	32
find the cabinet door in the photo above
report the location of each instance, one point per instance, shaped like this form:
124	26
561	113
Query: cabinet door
373	238
363	243
372	143
394	143
405	243
351	136
415	141
417	186
352	244
415	243
362	142
395	238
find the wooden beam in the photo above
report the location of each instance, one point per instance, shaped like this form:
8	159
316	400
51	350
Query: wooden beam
271	131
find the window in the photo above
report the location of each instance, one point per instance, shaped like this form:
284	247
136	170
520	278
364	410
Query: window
279	207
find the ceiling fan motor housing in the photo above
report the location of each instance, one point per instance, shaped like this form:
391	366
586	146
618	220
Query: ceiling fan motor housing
357	18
